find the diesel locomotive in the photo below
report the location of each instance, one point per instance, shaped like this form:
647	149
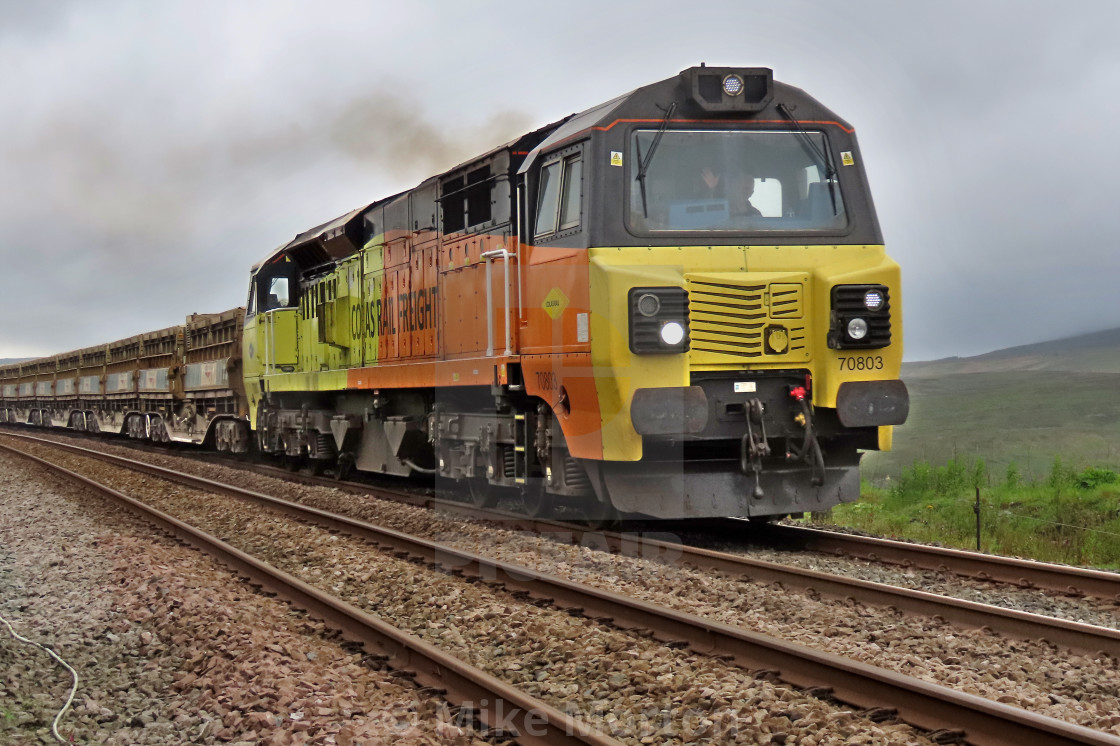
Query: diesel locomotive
675	304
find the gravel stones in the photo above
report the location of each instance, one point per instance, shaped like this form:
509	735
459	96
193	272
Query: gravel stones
1029	674
622	683
169	648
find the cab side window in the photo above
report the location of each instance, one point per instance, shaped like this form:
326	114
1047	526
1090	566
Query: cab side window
559	195
273	288
278	293
546	203
571	192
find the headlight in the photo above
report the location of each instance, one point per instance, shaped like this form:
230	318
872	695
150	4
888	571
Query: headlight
732	85
658	320
648	305
861	317
672	333
857	329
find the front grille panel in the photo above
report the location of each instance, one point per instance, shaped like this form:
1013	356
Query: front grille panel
727	320
730	319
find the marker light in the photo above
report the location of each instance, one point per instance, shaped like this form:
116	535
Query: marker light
873	300
649	304
857	329
732	85
672	333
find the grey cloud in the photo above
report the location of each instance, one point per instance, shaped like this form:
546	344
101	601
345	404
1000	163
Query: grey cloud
29	19
152	152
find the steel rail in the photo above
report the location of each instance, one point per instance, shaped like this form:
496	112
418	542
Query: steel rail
533	721
925	705
1087	638
1021	572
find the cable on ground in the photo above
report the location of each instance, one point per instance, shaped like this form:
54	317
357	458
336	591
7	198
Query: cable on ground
73	673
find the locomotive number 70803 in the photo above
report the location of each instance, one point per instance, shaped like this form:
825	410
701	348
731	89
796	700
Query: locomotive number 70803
856	362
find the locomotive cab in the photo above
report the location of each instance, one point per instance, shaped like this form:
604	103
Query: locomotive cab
739	318
269	341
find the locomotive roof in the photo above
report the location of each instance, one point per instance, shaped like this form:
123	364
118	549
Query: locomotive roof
319	233
328	241
312	247
573	125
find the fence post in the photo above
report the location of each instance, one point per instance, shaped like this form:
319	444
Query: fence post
976	509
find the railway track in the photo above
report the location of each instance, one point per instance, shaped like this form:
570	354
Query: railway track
934	708
1088	638
535	721
1020	572
639	540
1083	637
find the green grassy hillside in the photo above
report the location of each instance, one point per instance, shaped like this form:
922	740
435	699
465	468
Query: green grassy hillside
1024	404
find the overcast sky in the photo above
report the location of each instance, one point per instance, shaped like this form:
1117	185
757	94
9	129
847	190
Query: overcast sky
151	152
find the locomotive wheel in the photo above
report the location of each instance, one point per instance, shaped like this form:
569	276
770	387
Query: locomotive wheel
314	467
596	513
480	493
537	502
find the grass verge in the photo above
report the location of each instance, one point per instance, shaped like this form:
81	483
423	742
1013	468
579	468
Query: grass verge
1069	516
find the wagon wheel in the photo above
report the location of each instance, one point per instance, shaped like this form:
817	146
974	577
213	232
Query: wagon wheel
345	466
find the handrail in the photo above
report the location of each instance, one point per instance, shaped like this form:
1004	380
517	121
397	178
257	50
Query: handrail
490	256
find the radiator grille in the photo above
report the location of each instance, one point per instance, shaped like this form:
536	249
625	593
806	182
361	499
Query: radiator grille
731	316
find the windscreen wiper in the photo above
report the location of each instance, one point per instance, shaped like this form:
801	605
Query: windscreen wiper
811	148
643	164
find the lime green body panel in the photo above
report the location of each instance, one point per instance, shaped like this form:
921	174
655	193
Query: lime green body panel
334	329
372	281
